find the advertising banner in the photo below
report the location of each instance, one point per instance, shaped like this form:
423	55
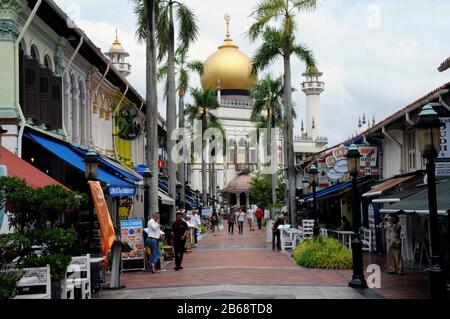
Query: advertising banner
337	167
107	234
443	161
323	178
131	233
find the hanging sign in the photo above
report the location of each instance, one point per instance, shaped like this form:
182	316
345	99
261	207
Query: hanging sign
333	175
323	178
341	166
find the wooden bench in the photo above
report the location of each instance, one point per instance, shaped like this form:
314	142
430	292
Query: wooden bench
35	277
79	276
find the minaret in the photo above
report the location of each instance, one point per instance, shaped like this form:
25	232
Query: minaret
117	55
312	87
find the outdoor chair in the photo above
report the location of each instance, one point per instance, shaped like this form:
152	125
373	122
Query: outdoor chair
308	228
323	232
35	277
367	241
81	267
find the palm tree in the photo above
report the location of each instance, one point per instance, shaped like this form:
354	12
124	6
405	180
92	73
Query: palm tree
205	102
281	42
146	32
215	123
182	69
267	112
165	12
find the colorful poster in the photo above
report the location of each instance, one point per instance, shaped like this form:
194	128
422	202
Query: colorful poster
131	233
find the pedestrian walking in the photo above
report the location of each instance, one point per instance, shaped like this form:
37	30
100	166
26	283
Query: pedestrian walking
394	245
250	218
259	217
214	222
276	233
231	221
179	234
195	220
241	218
154	233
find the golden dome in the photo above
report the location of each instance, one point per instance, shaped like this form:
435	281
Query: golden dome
228	67
117	46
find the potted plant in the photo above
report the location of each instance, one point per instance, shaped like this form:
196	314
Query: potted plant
13	248
58	266
57	246
18	199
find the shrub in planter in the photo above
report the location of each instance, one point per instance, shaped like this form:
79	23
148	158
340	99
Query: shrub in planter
18	199
324	253
58	266
13	248
8	283
56	240
264	223
53	200
56	251
203	229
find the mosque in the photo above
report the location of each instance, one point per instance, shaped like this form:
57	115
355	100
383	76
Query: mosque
227	71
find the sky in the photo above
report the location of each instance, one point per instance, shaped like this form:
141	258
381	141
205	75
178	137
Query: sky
377	56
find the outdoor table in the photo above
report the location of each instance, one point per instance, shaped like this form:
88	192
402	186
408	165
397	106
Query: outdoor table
97	273
345	234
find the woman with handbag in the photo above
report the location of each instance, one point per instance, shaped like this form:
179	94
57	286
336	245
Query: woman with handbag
394	243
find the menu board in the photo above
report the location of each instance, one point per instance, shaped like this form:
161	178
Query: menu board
131	233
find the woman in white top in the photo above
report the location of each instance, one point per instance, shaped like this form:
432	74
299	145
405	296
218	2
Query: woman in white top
241	218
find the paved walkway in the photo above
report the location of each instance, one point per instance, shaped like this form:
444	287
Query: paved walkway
245	266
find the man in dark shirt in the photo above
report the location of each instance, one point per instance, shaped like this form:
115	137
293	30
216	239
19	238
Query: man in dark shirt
178	234
277	233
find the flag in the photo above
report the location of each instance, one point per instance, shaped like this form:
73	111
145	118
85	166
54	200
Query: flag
107	234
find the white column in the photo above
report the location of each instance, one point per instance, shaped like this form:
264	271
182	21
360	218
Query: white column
313	114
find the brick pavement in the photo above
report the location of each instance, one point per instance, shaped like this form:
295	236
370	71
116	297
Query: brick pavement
248	260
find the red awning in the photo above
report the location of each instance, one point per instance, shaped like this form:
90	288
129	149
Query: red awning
17	167
387	185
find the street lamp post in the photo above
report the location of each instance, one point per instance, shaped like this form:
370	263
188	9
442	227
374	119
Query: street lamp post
353	160
91	172
180	200
147	180
314	181
430	145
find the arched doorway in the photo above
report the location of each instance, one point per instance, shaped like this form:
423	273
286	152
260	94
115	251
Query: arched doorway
243	199
233	200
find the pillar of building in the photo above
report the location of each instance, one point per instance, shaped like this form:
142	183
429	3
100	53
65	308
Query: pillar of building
9	71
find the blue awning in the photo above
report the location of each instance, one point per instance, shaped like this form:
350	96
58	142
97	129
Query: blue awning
335	189
117	187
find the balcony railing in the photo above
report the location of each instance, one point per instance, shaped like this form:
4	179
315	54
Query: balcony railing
245	167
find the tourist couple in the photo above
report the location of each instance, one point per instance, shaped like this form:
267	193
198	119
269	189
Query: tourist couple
178	237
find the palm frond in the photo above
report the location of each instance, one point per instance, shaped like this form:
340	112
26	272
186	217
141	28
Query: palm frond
188	28
183	81
162	13
140	11
162	72
306	5
305	54
265	12
195	66
269	50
